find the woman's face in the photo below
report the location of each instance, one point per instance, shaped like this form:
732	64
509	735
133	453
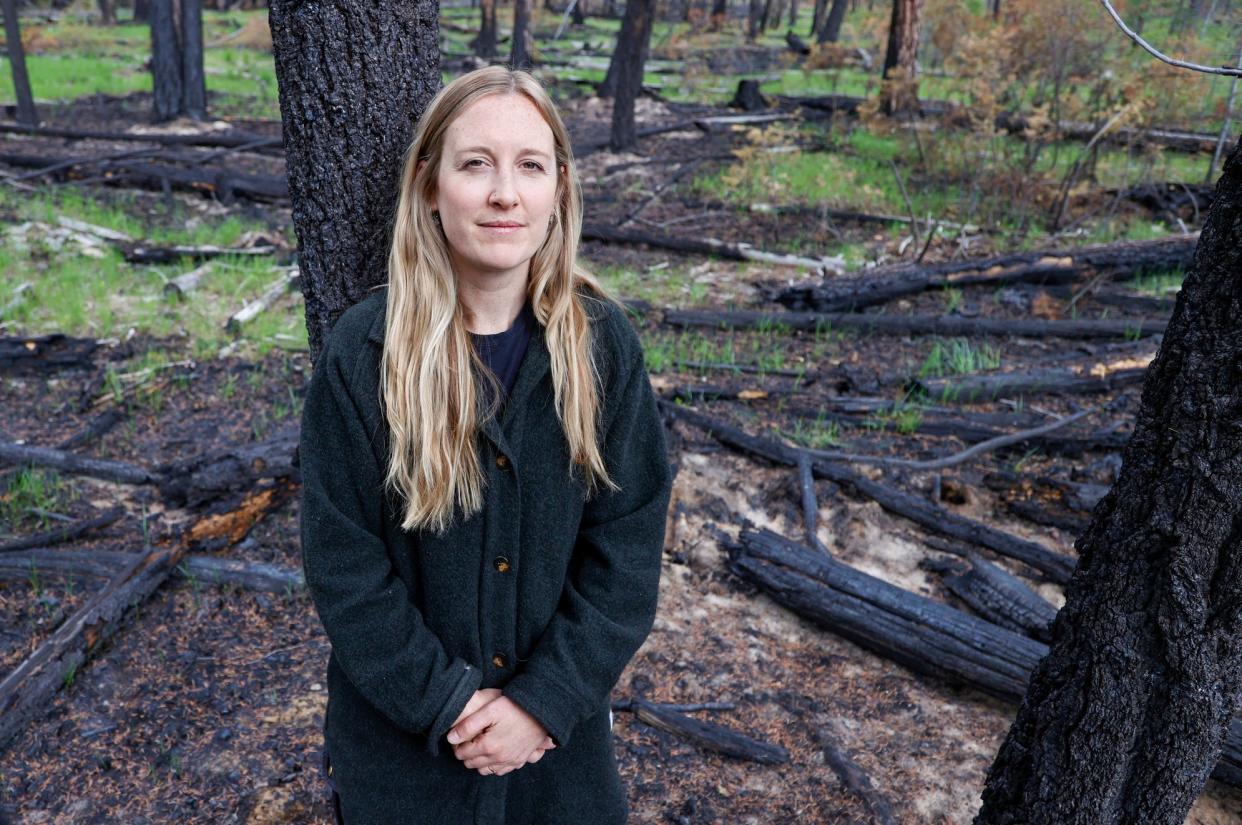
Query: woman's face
496	190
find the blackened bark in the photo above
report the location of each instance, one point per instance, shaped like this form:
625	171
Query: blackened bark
27	115
627	68
165	61
193	80
720	10
903	44
817	16
107	13
578	15
519	53
830	32
354	77
142	11
1125	716
485	43
752	19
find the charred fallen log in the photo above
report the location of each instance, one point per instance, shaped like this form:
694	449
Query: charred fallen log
37	354
997	595
708	735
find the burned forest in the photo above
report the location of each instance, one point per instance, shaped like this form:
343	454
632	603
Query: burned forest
940	300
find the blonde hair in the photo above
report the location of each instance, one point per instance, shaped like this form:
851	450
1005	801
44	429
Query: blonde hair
428	394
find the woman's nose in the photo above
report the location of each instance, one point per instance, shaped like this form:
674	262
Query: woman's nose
505	192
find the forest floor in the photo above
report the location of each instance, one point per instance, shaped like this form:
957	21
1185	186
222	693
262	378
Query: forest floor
207	706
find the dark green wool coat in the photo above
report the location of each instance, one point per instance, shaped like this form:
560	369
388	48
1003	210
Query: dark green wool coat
541	594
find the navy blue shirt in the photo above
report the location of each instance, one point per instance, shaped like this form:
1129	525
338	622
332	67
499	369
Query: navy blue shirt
502	352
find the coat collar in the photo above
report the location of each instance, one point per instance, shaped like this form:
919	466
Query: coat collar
536	363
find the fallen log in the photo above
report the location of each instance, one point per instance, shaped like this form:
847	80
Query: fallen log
196	481
1044	500
139	253
230	140
288	282
1054	266
855	780
37	354
882	324
24	693
62	534
975	387
1057	566
997	595
98	427
709	246
709	735
923	635
66	462
204	568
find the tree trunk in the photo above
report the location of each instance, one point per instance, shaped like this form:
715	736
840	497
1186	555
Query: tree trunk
165	61
485	43
720	11
1125	716
903	44
578	15
793	13
752	19
107	13
27	115
519	53
346	127
627	69
142	11
817	16
830	32
193	80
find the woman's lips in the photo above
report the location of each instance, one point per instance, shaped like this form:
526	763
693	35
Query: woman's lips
501	229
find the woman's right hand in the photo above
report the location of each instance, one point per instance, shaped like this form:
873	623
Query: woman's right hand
481	698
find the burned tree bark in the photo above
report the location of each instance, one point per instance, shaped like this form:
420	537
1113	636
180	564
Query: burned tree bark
899	67
27	115
346	127
626	69
830	31
485	43
520	45
1126	715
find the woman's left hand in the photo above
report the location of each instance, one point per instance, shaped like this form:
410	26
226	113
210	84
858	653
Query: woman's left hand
497	738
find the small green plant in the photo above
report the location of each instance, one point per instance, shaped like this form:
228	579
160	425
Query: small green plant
69	674
818	435
228	386
952	299
36	584
958	357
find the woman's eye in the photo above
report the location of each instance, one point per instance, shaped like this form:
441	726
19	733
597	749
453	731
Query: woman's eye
472	160
530	164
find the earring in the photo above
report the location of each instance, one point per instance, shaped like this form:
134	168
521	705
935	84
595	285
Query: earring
435	216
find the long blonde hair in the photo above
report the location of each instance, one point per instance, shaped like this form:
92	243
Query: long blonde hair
427	389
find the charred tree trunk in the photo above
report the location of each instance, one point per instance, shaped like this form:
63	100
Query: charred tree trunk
27	115
720	11
485	43
903	44
519	53
345	131
830	32
142	11
817	16
627	68
753	14
193	80
1126	715
578	13
165	61
107	13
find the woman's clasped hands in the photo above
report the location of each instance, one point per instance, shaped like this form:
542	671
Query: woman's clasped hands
493	735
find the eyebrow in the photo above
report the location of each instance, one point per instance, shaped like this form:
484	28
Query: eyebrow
538	152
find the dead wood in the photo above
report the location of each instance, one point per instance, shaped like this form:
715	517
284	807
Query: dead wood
224	184
923	635
288	282
223	473
66	462
231	139
996	595
25	692
38	354
1057	566
200	567
98	427
855	779
708	246
882	324
61	534
1044	500
971	388
143	254
879	285
708	735
628	704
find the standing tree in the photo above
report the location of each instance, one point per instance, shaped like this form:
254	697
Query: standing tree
830	31
626	71
523	43
27	115
900	92
346	125
485	43
179	83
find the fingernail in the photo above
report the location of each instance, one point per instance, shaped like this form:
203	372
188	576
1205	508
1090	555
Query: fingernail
453	738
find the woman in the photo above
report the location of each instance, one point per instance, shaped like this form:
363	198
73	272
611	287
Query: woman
484	489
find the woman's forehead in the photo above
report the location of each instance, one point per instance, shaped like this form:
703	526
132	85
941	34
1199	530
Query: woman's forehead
500	121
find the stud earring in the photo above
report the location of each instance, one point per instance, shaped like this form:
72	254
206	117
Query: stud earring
435	216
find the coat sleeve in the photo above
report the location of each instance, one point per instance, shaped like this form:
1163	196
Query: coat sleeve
377	634
608	603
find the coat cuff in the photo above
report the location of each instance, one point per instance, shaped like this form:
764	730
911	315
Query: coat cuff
556	708
471	678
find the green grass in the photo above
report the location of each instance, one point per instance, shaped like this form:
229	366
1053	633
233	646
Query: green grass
29	495
958	356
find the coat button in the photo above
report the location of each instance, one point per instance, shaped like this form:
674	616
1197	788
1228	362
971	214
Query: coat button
498	660
502	564
502	461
